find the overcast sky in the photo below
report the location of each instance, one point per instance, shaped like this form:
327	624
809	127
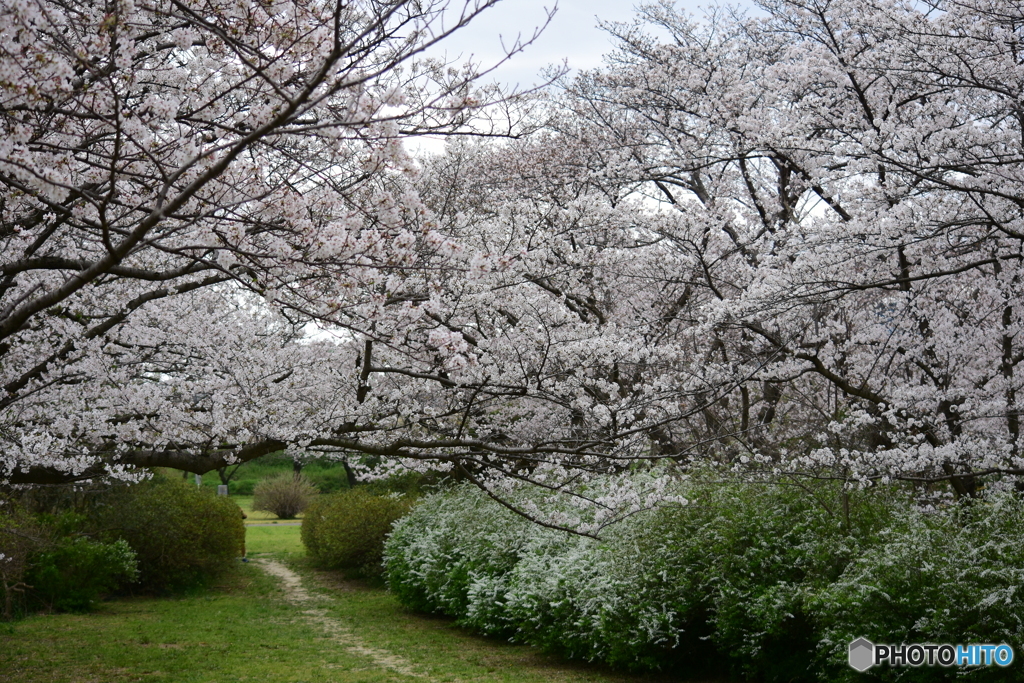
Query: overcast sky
572	35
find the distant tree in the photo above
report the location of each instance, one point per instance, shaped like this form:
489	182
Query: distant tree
286	495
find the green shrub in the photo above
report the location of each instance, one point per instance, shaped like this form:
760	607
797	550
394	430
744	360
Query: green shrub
773	581
406	483
286	495
952	576
47	561
328	481
346	530
746	557
71	575
183	535
243	487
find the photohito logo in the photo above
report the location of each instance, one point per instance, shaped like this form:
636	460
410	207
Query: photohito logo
864	654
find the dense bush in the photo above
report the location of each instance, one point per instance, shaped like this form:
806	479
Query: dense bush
954	577
407	483
72	574
21	537
346	530
328	480
286	495
453	544
48	562
183	534
63	549
242	487
768	581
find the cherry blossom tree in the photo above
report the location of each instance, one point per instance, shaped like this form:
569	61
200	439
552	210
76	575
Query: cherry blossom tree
789	242
160	164
187	189
843	180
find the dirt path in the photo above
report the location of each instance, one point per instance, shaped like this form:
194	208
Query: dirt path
297	593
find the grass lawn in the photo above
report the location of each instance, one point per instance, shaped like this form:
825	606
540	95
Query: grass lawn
243	629
282	541
236	631
256	516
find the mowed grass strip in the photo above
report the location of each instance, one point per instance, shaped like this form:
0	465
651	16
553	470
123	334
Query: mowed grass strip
282	541
435	646
237	631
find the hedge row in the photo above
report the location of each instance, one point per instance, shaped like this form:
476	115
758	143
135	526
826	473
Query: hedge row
764	581
156	537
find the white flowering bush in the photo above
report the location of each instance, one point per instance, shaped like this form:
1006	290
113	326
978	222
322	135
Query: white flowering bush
454	545
941	577
767	581
462	554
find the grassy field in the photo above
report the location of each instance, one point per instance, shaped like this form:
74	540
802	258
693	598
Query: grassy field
282	541
246	629
256	516
234	632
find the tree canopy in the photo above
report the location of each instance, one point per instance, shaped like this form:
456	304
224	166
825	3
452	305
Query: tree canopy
790	242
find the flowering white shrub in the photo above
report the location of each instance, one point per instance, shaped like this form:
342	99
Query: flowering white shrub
952	577
461	553
450	542
762	580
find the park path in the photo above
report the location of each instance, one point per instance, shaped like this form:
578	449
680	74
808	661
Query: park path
299	595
